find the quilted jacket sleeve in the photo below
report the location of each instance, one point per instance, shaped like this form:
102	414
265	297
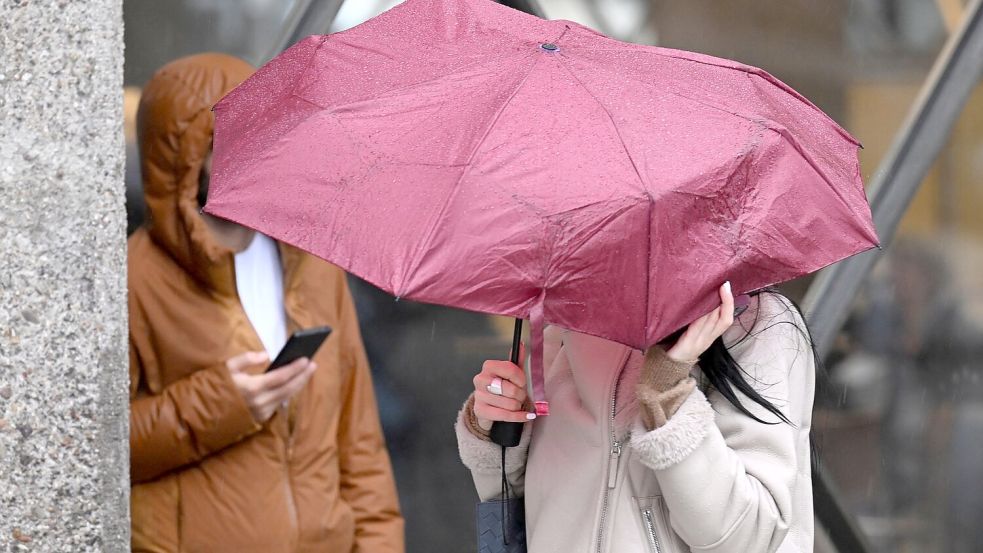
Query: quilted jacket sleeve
367	483
191	419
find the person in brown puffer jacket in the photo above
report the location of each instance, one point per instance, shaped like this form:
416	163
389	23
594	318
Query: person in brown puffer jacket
225	457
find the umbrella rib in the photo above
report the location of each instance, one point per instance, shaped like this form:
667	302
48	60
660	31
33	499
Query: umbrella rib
614	125
765	123
722	64
641	181
648	273
679	93
729	110
425	244
235	92
396	89
789	139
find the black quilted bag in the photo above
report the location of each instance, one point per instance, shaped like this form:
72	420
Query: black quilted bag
501	523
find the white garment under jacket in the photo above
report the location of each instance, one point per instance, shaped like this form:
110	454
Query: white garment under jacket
710	479
259	282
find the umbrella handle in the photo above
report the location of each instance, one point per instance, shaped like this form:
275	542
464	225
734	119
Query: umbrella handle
508	434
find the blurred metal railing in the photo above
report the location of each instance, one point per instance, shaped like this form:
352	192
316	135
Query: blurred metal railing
955	74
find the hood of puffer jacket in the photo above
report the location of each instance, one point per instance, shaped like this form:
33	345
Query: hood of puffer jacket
174	125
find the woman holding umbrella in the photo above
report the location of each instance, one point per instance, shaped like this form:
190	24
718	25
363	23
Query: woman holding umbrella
703	446
462	153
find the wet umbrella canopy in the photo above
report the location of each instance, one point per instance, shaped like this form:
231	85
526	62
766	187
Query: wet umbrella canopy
463	153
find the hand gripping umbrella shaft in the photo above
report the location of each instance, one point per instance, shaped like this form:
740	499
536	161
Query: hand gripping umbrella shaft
507	434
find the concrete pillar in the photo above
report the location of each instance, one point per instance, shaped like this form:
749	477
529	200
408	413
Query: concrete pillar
64	483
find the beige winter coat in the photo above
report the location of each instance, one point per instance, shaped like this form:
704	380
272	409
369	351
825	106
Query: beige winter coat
710	479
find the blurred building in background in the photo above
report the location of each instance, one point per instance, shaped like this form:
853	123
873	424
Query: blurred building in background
899	423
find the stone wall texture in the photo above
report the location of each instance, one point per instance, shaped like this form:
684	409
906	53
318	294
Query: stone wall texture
64	483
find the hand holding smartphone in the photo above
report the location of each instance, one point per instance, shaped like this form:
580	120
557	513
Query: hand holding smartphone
303	343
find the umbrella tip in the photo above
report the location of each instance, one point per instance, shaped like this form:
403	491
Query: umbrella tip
549	47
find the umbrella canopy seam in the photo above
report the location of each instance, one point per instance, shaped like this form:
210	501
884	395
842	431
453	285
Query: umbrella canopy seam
645	189
614	125
260	117
428	237
749	70
757	120
443	76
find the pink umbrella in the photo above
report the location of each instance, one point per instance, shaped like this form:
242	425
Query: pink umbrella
463	153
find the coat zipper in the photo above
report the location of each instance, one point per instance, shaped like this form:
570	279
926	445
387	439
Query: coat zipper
613	462
649	519
288	485
288	405
288	444
288	453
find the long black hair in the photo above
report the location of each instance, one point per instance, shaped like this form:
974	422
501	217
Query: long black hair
726	375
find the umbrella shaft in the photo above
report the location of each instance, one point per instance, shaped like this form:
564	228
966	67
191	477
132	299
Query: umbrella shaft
516	341
507	434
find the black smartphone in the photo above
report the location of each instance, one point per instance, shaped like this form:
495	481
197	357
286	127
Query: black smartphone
303	343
